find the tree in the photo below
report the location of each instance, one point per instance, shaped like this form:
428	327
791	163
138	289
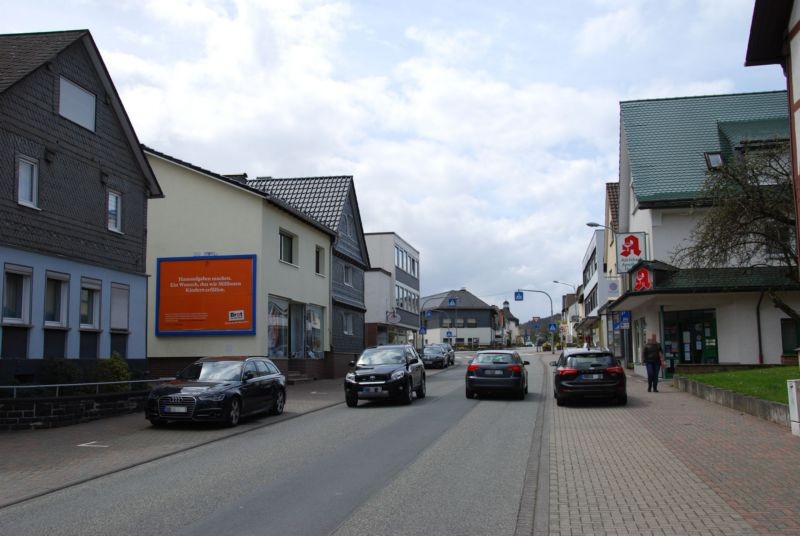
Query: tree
750	219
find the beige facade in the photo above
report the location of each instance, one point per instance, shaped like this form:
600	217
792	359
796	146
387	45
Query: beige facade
204	214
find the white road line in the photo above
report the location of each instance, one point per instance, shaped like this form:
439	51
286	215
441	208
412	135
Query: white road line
93	444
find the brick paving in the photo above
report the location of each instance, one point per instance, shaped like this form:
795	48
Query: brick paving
670	463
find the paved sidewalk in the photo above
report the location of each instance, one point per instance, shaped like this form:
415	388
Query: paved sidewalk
670	463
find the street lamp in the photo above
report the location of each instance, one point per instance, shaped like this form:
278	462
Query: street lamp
573	287
552	317
595	224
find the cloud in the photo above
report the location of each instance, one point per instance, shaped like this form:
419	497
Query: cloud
624	26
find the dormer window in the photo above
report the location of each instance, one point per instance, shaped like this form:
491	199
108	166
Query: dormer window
713	160
76	104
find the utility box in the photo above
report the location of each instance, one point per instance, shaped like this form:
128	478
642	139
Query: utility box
794	405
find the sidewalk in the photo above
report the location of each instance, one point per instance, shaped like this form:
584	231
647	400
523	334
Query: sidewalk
670	463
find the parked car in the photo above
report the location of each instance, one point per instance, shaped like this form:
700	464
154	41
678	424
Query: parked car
391	371
219	389
435	356
448	350
497	371
529	344
588	373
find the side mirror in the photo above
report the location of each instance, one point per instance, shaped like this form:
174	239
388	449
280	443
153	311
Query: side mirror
526	362
249	375
351	364
553	363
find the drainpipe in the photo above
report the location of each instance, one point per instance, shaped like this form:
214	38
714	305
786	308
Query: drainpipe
758	328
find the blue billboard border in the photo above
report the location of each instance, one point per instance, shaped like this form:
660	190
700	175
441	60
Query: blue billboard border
203	333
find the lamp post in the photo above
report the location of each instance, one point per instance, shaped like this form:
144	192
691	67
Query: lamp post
574	293
552	317
573	287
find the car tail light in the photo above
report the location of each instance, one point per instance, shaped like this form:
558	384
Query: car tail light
473	368
514	368
615	370
567	371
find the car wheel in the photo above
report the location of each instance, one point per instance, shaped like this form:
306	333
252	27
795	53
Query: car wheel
408	396
421	389
279	403
156	422
622	400
470	393
352	400
233	412
521	394
561	401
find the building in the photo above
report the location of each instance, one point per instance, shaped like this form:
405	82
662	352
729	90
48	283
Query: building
332	201
598	287
511	334
236	272
700	315
462	319
74	191
392	290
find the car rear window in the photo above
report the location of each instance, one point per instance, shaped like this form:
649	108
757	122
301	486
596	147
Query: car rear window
494	358
587	360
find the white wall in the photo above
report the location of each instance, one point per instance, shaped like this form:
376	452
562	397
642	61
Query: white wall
378	295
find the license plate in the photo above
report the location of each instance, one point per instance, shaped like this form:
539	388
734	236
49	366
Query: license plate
371	389
494	372
592	377
175	409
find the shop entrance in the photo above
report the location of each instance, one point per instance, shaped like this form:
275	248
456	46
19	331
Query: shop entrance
690	337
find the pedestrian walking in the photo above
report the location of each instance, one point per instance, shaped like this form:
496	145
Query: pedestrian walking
653	359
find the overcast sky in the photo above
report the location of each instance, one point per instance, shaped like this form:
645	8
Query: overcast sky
483	132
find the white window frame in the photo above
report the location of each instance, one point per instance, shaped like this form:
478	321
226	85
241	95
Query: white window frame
119	318
63	280
347	324
283	234
347	277
114	220
319	261
95	287
33	202
77	104
26	272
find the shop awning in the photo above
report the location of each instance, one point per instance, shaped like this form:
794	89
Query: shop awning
588	322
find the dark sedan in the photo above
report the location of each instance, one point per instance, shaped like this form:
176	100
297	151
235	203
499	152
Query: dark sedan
385	372
219	389
497	371
588	373
435	356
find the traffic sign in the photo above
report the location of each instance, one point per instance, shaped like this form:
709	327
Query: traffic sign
537	326
518	296
451	302
449	333
423	330
428	314
552	328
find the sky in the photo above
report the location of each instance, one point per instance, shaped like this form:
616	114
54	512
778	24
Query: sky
483	133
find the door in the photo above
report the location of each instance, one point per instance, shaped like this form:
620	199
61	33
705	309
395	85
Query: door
297	320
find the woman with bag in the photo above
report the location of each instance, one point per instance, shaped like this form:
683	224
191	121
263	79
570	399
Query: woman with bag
653	359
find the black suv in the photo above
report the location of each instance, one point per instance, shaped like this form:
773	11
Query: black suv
385	372
588	373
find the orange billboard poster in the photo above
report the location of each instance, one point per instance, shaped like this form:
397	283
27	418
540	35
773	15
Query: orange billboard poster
206	295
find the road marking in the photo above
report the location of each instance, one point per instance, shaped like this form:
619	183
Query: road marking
93	444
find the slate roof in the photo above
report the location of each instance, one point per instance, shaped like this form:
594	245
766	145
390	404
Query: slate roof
667	138
323	198
465	300
612	199
21	54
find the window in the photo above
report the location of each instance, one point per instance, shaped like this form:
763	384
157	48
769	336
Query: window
120	297
55	300
446	323
713	160
319	263
314	331
17	294
348	276
27	182
90	304
114	211
278	327
790	336
76	104
287	247
347	323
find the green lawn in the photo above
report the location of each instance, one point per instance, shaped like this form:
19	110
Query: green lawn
767	383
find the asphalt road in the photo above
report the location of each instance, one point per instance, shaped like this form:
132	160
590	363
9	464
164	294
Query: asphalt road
444	465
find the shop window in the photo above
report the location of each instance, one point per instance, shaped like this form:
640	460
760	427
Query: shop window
278	327
314	331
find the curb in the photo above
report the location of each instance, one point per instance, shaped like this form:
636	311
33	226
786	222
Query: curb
774	412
